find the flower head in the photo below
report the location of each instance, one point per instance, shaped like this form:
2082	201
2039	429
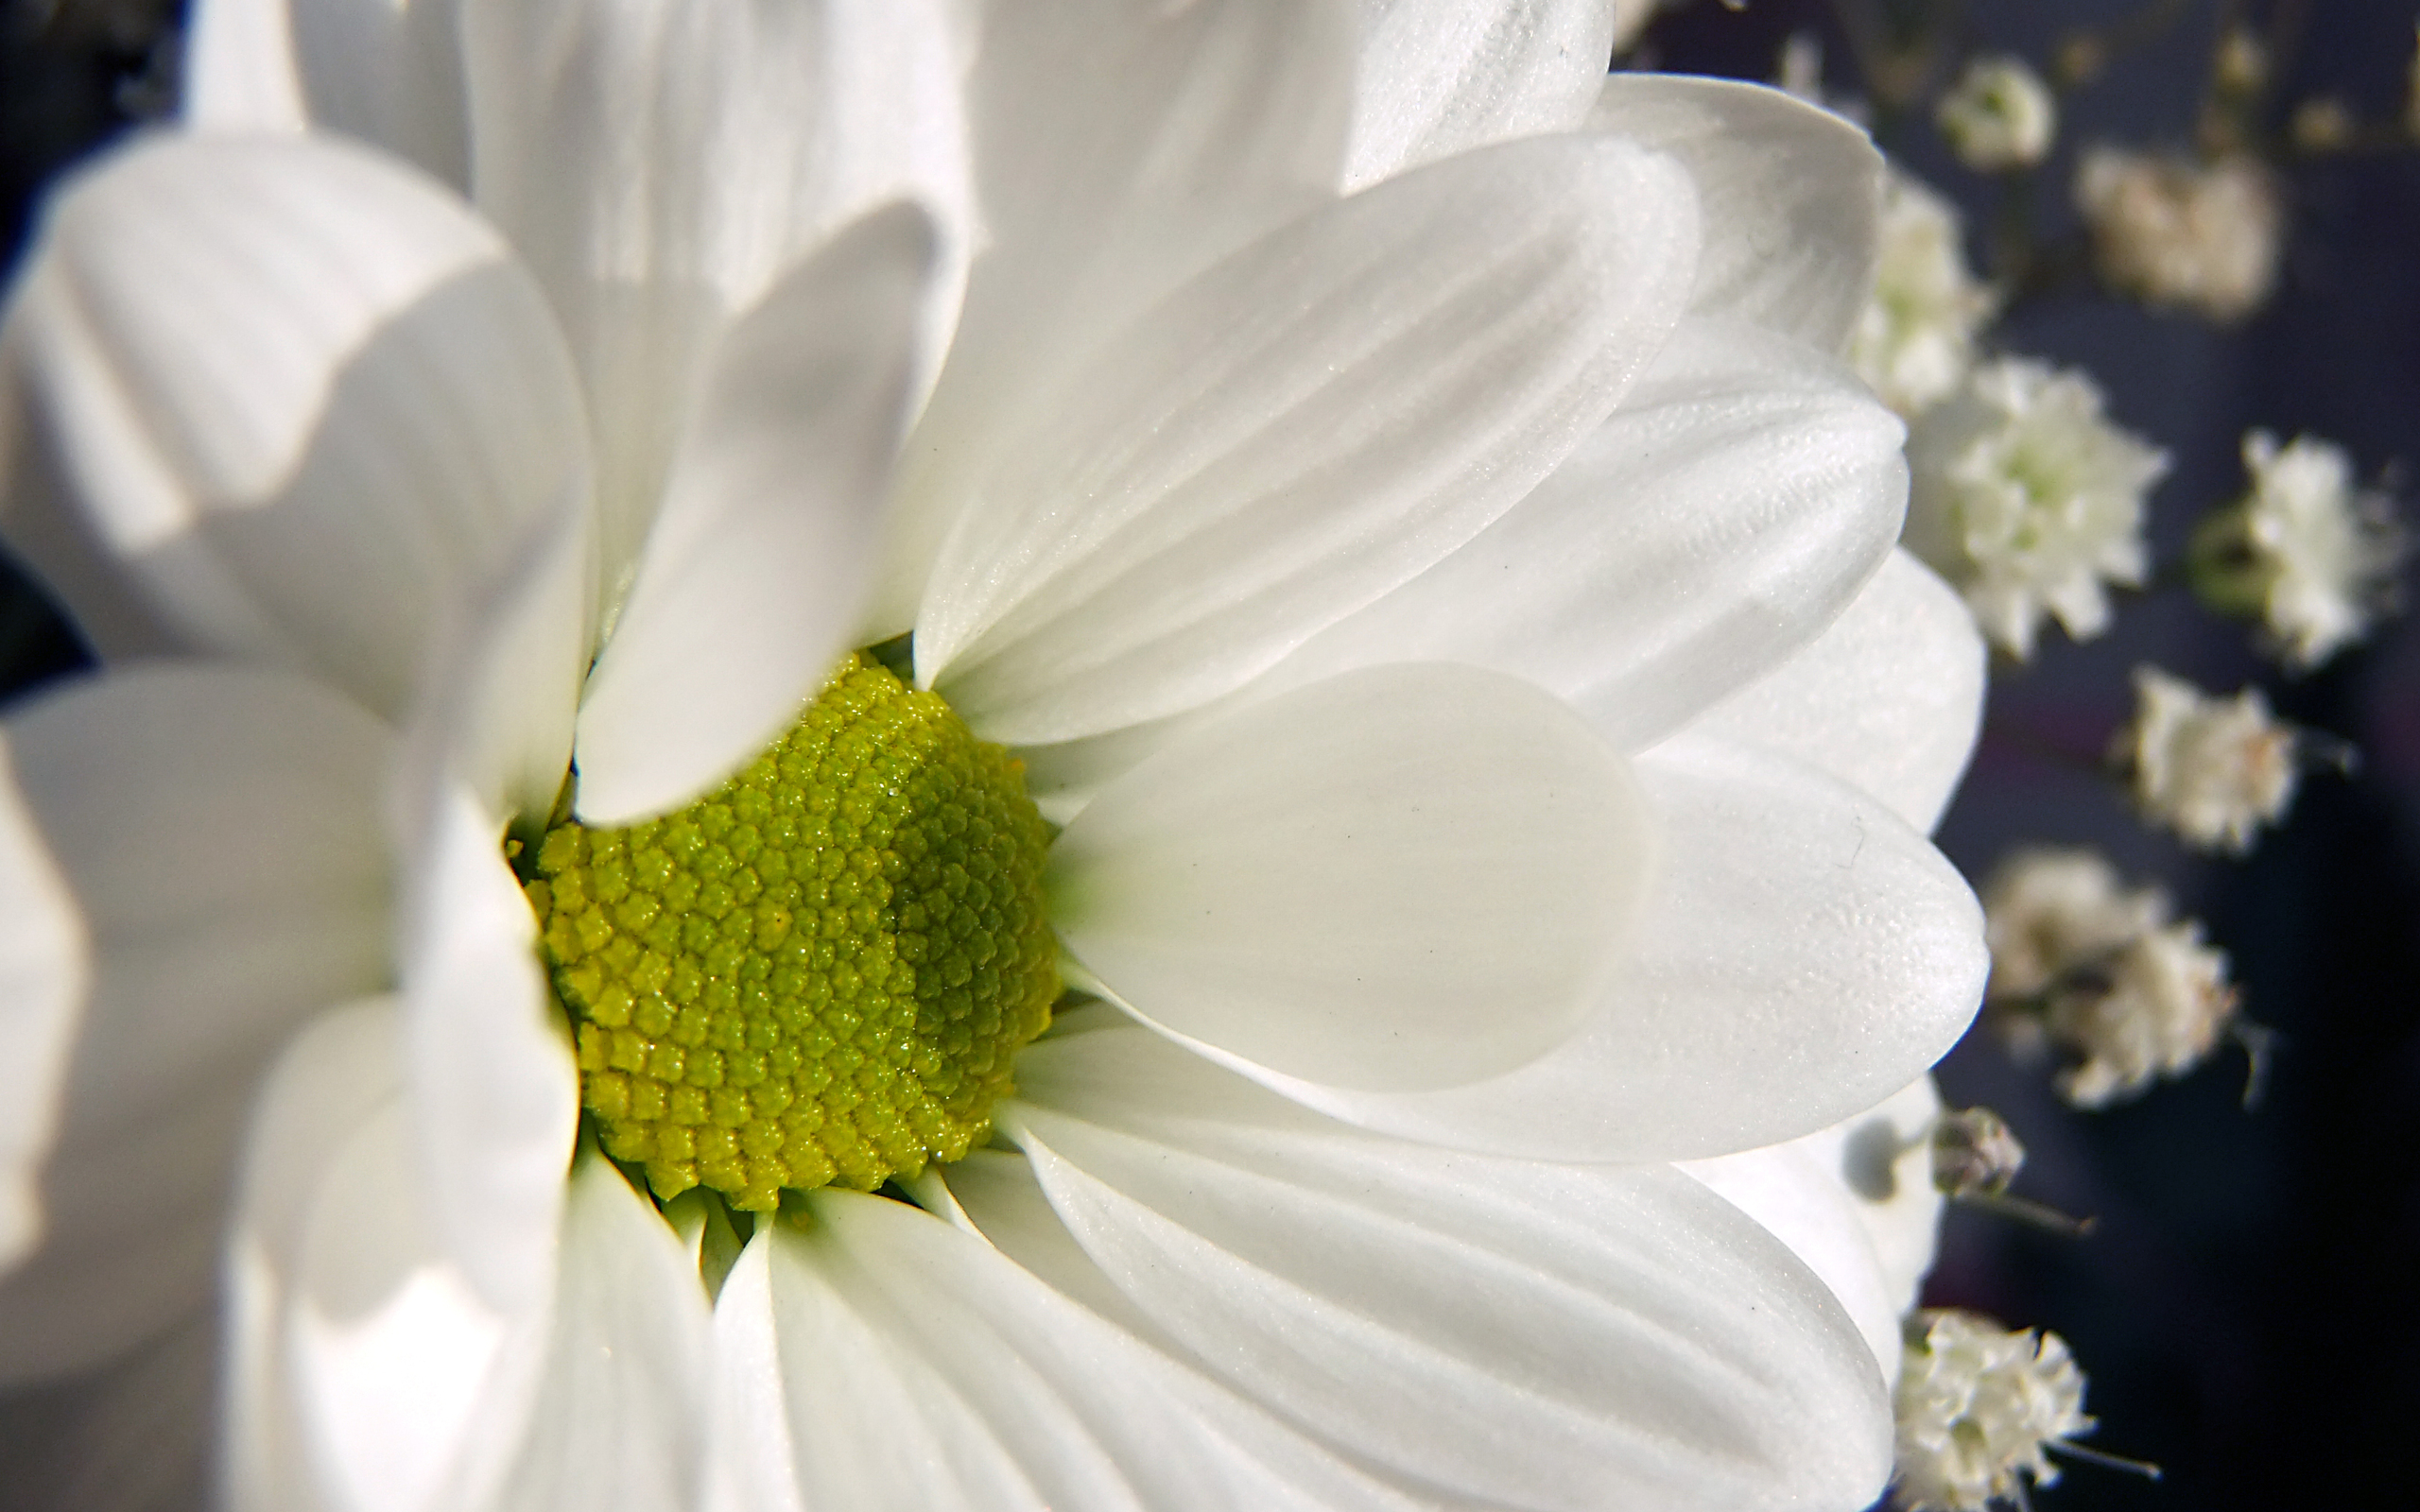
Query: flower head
2304	551
2159	1012
1999	114
2203	237
1915	338
2024	496
1242	542
2049	910
2212	769
1977	1404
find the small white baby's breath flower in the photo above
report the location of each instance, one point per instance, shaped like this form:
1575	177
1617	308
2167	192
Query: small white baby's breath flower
2212	769
2204	237
1915	338
2028	500
2165	1003
1977	1404
2048	910
1999	114
2307	552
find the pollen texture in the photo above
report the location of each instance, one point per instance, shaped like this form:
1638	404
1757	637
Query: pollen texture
819	974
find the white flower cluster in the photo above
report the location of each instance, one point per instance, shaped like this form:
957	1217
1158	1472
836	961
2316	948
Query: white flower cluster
2201	236
2305	551
1915	339
1998	115
2023	495
1977	1405
2101	972
2212	769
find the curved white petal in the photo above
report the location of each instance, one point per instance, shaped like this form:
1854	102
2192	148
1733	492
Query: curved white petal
1119	149
365	1374
1889	699
1306	426
1791	196
493	1095
131	1436
1439	77
619	1425
1407	876
659	166
1721	518
884	1361
300	400
217	835
1854	1201
1802	954
758	562
388	71
46	973
1513	1335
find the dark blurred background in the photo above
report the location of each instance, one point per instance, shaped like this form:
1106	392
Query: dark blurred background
2249	1308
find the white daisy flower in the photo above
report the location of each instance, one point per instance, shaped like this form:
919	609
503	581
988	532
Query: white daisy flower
1351	575
2204	237
1915	338
2306	552
2029	500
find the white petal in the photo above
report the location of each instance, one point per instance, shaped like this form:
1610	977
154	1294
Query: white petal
1196	127
365	1373
885	1360
1439	76
389	71
1855	1202
1803	953
299	398
133	1436
1308	424
1791	196
1889	699
217	834
1407	876
758	563
1515	1334
1724	514
493	1096
45	972
660	165
619	1425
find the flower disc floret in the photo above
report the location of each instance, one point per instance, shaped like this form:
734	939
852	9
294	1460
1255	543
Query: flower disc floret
819	974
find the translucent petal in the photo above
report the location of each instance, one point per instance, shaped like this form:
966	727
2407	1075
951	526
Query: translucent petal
294	404
364	1372
388	71
217	835
1511	1333
1791	196
1306	426
1721	518
660	165
1439	76
1407	876
1803	953
885	1360
757	565
1889	699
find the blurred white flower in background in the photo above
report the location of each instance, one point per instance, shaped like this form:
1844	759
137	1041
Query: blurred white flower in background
1211	469
2307	552
1999	114
2048	910
2023	495
2204	237
1915	338
2212	769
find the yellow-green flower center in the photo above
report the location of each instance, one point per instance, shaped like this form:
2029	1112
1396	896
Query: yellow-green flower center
819	974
